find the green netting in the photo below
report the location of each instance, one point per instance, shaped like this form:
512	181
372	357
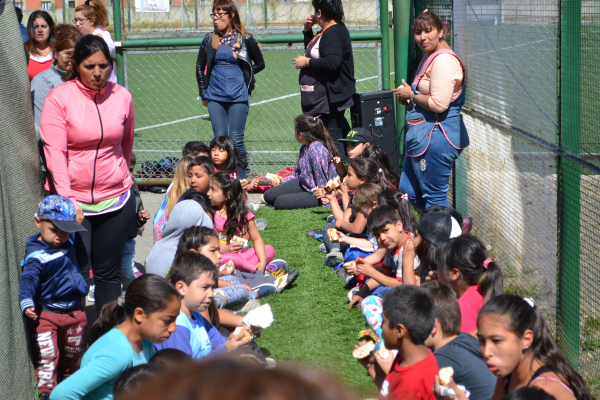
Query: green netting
20	192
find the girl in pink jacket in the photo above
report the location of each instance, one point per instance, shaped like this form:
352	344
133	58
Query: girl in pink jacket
87	129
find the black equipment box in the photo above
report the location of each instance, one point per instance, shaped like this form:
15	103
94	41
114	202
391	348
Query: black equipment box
375	111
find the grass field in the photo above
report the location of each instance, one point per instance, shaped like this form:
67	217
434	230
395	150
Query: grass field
313	325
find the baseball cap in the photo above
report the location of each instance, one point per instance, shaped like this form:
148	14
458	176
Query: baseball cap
437	228
61	212
358	135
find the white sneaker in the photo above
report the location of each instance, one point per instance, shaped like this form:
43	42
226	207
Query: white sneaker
245	308
90	296
352	292
253	206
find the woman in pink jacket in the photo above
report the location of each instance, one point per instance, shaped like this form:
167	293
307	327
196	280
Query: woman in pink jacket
87	128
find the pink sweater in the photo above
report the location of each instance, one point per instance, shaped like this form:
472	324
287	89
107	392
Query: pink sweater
88	140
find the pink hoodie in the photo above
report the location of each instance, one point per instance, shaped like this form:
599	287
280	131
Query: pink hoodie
88	140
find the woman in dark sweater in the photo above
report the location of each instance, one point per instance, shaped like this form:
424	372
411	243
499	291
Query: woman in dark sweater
327	80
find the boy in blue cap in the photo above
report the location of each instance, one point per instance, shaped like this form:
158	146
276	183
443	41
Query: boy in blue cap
51	290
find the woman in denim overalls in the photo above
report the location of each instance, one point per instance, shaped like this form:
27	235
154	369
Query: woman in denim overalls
227	61
436	132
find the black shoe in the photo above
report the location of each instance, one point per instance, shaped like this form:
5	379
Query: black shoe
44	396
334	259
342	274
313	232
290	279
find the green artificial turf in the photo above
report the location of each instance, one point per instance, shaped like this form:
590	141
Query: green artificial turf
313	325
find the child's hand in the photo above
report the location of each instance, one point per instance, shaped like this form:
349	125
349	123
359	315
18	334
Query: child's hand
386	365
342	238
431	276
331	196
232	247
351	269
319	193
247	287
367	362
363	267
237	341
226	271
245	185
144	215
30	313
460	395
356	300
253	185
260	267
275	182
325	200
343	189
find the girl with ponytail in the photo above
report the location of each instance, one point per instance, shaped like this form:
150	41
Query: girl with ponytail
122	337
475	278
314	169
518	348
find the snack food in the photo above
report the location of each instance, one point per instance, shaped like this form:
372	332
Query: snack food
350	264
383	352
274	176
333	234
228	266
445	375
240	241
333	184
241	329
363	350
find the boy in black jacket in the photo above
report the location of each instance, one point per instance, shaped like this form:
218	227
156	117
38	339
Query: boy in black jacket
456	349
51	292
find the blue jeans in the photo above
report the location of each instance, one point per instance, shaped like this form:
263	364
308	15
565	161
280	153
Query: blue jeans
230	119
425	179
127	263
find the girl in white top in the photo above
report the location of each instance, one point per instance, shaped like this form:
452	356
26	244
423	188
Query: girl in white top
91	18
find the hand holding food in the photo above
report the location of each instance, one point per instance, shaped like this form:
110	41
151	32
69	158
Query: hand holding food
333	235
363	350
445	375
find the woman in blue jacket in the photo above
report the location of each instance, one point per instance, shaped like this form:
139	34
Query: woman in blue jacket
228	59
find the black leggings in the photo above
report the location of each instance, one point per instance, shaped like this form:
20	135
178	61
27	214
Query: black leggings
289	196
101	249
337	126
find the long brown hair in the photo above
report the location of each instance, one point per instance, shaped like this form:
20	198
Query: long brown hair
30	44
95	11
66	38
230	8
314	131
180	183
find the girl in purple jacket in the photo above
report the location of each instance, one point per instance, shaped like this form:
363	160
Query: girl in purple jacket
315	167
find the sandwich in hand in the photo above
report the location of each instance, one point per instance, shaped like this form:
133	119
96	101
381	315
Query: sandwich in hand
242	329
445	375
333	235
364	350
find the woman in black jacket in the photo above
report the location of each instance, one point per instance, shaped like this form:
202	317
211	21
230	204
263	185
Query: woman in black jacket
228	59
327	80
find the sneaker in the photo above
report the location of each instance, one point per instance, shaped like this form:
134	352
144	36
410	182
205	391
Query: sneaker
245	308
352	292
264	290
313	232
283	282
334	259
262	199
90	296
253	206
342	274
270	363
275	266
322	248
330	218
261	224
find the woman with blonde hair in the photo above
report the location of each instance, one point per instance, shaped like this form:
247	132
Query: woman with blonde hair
180	184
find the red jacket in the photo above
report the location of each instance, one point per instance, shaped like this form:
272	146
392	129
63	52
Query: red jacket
88	140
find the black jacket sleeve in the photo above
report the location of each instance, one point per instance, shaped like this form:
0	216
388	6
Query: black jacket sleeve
200	67
258	61
308	35
331	49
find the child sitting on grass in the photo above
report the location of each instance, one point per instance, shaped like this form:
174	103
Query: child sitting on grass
452	348
199	172
194	277
51	291
377	153
232	218
226	159
408	318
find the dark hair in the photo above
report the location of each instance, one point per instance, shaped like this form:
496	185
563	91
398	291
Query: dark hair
229	7
133	160
468	254
30	44
19	13
364	197
200	198
314	131
194	237
96	11
170	358
189	266
529	393
447	310
85	47
149	292
330	9
429	252
369	171
428	20
380	216
445	210
194	147
413	307
134	378
393	197
233	160
203	161
211	379
237	218
377	153
520	317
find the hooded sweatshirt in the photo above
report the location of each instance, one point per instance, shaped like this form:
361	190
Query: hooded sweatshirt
184	215
88	140
463	355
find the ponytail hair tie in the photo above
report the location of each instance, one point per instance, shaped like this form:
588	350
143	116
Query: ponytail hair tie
233	175
315	118
404	196
425	10
487	262
87	3
121	300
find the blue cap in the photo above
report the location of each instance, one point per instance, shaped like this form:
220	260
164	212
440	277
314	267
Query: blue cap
61	212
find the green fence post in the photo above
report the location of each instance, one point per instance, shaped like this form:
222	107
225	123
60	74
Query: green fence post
196	13
569	178
401	20
119	38
384	25
65	4
128	15
265	11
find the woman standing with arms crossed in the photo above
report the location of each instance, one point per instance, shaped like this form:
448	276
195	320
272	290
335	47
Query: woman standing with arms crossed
87	128
228	59
40	31
436	132
327	81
